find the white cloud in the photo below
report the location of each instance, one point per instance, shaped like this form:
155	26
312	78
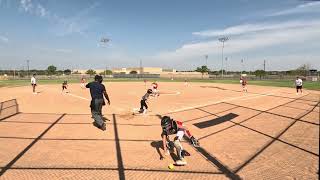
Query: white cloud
33	8
78	23
302	8
250	37
252	28
63	26
41	11
4	39
64	50
58	50
26	5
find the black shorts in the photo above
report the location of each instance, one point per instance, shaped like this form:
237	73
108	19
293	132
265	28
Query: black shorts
299	87
64	87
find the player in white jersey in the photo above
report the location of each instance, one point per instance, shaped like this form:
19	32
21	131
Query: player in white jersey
34	83
298	84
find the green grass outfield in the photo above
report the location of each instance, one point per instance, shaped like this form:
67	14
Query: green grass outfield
278	83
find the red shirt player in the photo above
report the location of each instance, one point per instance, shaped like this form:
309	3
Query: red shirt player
155	89
244	84
82	82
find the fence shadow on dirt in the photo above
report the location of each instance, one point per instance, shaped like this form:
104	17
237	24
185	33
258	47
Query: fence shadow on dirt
8	108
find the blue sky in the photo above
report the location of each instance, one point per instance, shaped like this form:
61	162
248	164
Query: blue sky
168	33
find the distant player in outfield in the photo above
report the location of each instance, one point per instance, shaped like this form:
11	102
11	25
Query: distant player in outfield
243	82
97	91
82	82
143	102
298	84
154	87
186	82
34	83
177	128
145	83
65	86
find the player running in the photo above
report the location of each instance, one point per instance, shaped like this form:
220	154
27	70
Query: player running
171	127
34	83
243	82
186	82
143	102
83	83
155	91
298	84
65	86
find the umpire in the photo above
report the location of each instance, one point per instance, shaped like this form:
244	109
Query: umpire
97	90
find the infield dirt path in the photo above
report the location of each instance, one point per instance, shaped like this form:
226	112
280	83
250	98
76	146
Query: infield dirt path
274	133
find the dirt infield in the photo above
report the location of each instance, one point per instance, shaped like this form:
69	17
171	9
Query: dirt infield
267	133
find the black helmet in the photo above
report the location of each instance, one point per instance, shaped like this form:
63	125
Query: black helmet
100	79
166	122
96	77
149	92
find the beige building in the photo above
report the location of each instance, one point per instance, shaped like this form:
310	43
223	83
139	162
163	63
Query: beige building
165	73
142	70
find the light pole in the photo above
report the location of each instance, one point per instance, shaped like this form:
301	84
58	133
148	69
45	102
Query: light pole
242	66
223	39
28	66
226	64
206	56
103	43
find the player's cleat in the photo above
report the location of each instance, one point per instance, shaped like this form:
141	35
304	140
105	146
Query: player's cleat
194	142
103	127
181	162
95	124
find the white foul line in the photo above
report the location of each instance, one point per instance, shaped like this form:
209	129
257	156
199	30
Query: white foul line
78	96
225	100
252	97
170	94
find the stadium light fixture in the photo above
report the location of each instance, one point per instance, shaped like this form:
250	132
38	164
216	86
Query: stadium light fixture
223	40
104	41
226	65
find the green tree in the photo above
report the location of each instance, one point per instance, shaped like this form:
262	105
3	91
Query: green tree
133	72
91	72
202	70
260	73
106	72
51	69
67	72
303	69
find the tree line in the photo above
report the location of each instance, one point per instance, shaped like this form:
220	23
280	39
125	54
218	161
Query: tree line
302	70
